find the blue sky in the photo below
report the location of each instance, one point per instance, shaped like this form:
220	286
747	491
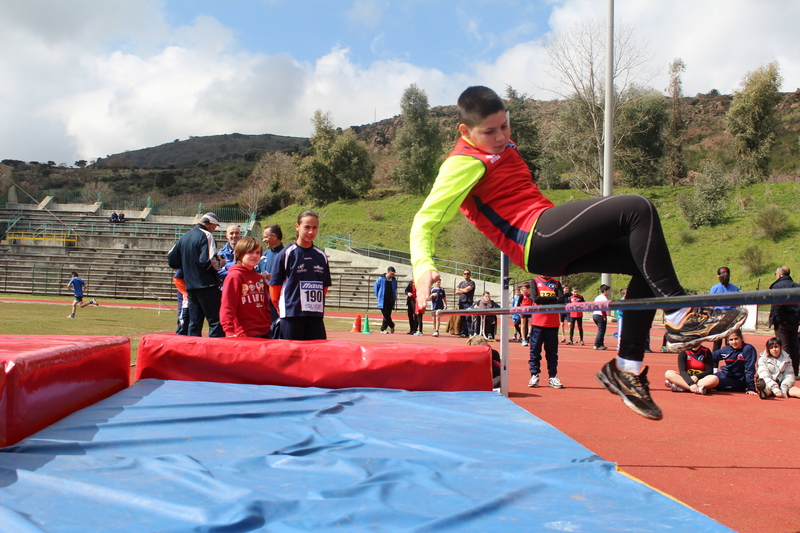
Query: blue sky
88	78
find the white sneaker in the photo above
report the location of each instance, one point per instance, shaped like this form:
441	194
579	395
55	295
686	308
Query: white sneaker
556	383
385	332
670	385
524	342
435	333
70	316
534	382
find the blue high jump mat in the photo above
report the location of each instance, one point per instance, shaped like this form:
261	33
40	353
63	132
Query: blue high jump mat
173	456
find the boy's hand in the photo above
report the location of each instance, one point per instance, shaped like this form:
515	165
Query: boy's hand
424	285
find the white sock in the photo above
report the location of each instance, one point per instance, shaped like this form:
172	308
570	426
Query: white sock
626	365
678	316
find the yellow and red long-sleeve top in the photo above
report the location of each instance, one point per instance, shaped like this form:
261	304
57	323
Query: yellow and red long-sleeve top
495	192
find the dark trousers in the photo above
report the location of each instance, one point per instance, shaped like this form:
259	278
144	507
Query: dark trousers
466	321
204	305
547	337
303	328
787	333
488	329
387	323
601	322
572	322
619	234
414	318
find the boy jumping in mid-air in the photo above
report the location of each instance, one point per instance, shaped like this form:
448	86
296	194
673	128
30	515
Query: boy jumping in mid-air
486	179
77	285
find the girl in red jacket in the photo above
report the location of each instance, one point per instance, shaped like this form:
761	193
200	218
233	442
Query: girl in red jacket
245	310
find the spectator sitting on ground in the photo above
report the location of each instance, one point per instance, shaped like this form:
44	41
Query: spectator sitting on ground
739	372
694	364
775	372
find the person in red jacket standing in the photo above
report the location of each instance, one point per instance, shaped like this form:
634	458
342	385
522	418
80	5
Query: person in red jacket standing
244	311
544	330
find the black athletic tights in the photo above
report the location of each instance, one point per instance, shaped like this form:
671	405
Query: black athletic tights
618	235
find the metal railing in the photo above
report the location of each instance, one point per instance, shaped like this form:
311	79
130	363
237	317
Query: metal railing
31	237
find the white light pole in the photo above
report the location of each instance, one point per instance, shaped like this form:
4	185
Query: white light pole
608	117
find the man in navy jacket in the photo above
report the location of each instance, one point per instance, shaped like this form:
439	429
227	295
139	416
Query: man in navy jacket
196	254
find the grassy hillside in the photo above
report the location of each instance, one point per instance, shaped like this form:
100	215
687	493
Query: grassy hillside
696	253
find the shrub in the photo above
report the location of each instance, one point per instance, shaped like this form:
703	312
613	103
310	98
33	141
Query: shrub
706	206
772	221
753	260
686	236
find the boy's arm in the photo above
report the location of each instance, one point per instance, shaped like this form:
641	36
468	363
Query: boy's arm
456	178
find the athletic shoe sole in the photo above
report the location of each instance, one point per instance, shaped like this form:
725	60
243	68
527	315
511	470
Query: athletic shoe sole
686	345
612	387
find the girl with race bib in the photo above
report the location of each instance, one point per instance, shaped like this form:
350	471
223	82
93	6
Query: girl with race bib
300	279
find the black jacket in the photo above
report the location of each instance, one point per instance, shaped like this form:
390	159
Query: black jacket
193	254
790	313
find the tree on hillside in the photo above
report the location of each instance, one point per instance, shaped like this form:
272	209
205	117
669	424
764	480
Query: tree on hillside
638	154
523	129
340	167
751	119
706	205
576	61
674	159
272	185
417	144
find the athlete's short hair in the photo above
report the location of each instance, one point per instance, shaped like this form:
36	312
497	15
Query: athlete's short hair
476	103
275	229
245	246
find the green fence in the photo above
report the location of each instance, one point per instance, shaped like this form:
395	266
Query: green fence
159	206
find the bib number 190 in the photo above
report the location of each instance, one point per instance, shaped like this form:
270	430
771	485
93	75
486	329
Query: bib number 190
311	297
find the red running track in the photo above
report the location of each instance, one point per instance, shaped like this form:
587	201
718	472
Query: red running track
730	456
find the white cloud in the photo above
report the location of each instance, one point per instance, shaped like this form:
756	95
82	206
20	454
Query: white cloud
719	42
94	77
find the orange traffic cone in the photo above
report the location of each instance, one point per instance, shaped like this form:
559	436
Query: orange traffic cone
356	325
366	326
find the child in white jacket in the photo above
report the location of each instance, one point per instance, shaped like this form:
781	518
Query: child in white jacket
775	372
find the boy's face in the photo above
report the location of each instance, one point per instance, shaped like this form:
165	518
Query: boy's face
575	291
491	135
525	290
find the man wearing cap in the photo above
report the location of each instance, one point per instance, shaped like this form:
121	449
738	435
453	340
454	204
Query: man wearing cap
724	285
385	289
196	254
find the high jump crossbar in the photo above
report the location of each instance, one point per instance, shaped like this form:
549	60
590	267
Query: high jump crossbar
765	297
